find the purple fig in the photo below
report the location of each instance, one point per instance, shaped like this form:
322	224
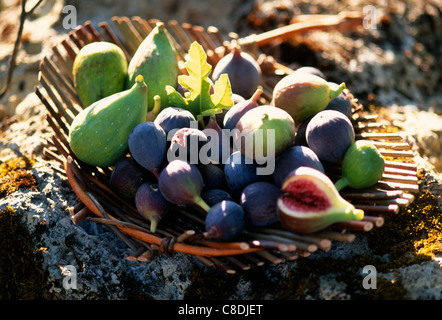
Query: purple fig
329	134
172	118
181	183
127	175
258	201
147	145
213	176
300	139
220	116
214	196
218	142
243	70
342	103
224	221
186	145
311	70
237	98
238	110
293	158
240	172
151	204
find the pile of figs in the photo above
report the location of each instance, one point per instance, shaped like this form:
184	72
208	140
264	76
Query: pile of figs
257	164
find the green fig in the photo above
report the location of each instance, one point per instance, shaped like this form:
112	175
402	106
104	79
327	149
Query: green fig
263	132
99	134
156	60
310	202
99	70
303	95
363	165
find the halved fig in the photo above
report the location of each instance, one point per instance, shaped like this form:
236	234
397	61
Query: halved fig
310	202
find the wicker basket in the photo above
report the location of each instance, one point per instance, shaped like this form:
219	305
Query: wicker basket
183	231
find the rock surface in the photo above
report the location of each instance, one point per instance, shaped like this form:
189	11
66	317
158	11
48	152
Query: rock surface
402	74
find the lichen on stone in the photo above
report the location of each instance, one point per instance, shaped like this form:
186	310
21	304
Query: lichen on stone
415	233
15	173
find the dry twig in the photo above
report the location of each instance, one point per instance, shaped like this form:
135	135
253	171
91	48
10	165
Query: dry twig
23	15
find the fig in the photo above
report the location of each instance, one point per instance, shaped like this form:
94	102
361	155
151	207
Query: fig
127	175
186	145
99	134
181	183
311	70
213	176
220	116
152	114
310	202
329	134
243	70
218	142
214	196
265	131
240	172
300	139
293	158
363	165
238	110
151	204
171	119
341	103
303	95
224	221
147	145
237	98
99	70
156	60
258	201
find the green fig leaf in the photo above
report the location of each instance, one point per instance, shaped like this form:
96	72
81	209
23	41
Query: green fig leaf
199	101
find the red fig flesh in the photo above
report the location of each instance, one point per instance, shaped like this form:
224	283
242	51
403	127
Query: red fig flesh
311	202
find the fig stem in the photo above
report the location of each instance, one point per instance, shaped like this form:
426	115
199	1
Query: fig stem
151	115
336	92
211	233
341	183
236	51
156	172
202	204
256	95
358	214
157	105
153	224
